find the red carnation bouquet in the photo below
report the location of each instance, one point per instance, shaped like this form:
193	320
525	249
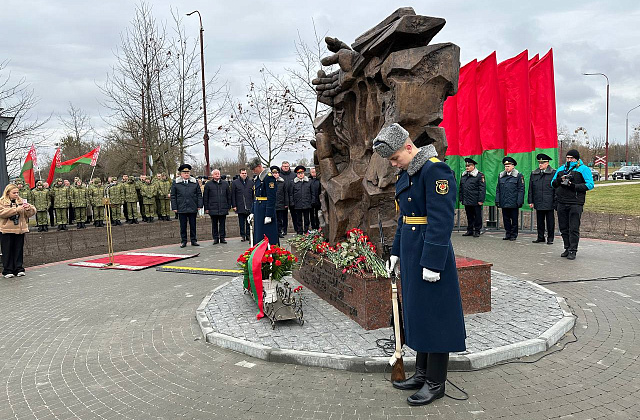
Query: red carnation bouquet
276	263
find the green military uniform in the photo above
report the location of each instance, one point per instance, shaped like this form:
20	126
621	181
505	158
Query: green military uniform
79	202
25	190
116	197
139	183
164	208
42	202
61	199
131	200
96	194
149	192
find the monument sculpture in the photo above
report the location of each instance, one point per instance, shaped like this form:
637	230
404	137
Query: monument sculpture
389	74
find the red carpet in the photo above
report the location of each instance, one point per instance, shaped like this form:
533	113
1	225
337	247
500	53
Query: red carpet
134	261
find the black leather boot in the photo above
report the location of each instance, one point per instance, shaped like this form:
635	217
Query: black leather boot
64	227
430	392
418	379
60	228
135	221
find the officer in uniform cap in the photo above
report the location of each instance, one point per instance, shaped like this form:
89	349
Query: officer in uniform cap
473	189
263	211
432	307
510	197
542	197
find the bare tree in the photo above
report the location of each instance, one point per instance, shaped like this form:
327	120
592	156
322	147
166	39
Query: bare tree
267	123
18	100
154	94
242	155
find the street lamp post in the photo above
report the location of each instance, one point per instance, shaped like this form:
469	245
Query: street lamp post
606	137
5	123
626	143
204	97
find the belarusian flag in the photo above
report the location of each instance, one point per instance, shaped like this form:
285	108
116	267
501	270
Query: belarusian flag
27	168
254	281
55	163
86	159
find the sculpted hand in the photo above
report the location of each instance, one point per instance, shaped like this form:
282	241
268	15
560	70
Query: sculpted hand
393	265
267	220
250	218
430	276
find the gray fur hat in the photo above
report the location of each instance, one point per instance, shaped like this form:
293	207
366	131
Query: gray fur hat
389	140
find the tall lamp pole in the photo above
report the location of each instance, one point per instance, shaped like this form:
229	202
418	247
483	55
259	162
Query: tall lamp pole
5	123
626	144
606	141
204	96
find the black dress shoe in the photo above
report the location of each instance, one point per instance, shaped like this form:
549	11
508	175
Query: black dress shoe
476	234
243	239
223	241
415	382
182	245
506	238
549	242
565	253
194	243
215	241
512	238
537	241
572	255
430	392
467	234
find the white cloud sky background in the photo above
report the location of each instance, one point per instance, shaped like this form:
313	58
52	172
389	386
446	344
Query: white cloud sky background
65	48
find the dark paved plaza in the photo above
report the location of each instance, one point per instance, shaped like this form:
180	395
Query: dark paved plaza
79	343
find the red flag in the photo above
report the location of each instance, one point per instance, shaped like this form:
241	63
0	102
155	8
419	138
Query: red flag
94	158
55	163
30	163
255	274
450	125
543	103
533	60
513	79
490	114
468	126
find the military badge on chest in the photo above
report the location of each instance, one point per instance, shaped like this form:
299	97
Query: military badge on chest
272	185
442	186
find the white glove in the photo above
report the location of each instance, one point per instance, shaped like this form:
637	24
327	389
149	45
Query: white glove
393	265
250	218
430	276
267	220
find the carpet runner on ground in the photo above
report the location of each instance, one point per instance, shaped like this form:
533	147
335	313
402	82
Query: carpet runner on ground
134	261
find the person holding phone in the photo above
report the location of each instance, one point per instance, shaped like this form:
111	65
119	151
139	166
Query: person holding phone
14	217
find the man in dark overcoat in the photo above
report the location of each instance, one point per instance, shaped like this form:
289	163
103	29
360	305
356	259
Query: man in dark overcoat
242	201
186	200
300	200
542	197
510	197
432	307
287	175
282	200
263	212
473	189
217	202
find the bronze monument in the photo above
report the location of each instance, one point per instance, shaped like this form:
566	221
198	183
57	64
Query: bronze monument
389	74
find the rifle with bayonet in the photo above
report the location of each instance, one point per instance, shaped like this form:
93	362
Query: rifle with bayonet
397	373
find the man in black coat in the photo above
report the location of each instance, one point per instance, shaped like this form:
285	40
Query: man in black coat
300	200
287	175
242	200
473	189
186	200
282	201
510	197
217	202
542	197
315	199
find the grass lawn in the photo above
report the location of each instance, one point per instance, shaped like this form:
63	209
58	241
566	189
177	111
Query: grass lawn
618	199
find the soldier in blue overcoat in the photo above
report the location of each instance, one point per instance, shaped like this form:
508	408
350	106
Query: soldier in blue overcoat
432	306
263	212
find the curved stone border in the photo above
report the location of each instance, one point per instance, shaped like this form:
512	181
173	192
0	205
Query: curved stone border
470	361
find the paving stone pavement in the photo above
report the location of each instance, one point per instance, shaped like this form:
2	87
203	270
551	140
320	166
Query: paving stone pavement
78	343
520	311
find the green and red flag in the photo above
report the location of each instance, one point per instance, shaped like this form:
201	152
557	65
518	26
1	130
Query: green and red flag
254	281
55	163
30	162
86	159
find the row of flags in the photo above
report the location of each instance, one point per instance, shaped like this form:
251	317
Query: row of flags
506	108
57	166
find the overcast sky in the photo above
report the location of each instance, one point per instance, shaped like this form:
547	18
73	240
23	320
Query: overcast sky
65	48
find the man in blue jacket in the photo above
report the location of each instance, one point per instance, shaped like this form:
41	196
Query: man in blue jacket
571	182
432	307
510	197
186	200
263	212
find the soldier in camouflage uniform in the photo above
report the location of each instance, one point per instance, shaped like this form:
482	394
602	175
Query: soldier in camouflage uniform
131	200
25	190
42	202
149	193
116	197
139	183
79	202
164	188
96	194
61	199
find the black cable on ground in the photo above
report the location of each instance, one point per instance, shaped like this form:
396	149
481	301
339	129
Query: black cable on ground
543	282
